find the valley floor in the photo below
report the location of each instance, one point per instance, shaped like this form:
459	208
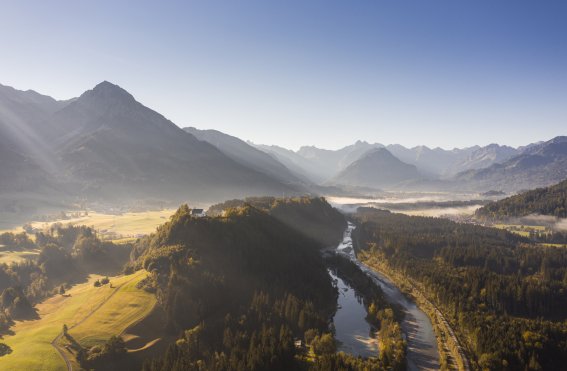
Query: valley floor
92	315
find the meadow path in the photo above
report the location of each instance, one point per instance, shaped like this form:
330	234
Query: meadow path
55	341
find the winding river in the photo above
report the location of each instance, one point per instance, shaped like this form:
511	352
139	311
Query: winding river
422	345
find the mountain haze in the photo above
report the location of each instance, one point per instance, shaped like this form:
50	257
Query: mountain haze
106	145
538	165
295	162
247	155
377	168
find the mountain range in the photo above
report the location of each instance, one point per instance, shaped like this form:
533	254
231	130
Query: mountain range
105	145
537	165
474	168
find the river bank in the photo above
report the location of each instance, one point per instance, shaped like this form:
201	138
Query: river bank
422	351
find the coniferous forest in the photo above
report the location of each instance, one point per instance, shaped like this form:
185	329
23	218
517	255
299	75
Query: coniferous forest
541	201
505	295
240	289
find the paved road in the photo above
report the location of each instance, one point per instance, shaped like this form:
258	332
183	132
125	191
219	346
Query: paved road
61	353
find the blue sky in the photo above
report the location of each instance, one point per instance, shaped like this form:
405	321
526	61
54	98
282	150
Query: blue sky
435	72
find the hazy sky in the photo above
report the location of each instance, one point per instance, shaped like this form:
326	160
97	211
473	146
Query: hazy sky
436	72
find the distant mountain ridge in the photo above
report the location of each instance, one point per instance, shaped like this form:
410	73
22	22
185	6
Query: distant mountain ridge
247	155
377	168
295	162
537	165
447	170
106	145
484	157
436	161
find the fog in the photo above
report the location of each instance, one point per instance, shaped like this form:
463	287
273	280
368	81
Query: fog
413	204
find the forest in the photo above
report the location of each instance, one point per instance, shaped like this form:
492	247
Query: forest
541	201
503	294
245	287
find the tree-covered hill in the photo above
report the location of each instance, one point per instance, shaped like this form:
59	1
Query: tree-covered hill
542	201
242	286
244	283
313	217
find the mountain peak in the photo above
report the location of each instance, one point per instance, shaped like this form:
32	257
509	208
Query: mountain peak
108	92
377	152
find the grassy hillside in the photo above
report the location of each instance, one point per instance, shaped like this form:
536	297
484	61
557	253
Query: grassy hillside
542	201
126	307
31	341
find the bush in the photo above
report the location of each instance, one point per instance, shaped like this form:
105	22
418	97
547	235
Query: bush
4	349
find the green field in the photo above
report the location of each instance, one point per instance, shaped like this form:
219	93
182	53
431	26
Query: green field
119	228
522	230
552	245
31	341
123	309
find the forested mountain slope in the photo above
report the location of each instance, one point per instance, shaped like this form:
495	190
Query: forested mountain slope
541	201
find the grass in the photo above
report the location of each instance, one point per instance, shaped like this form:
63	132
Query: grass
8	257
31	341
522	230
122	228
123	309
553	245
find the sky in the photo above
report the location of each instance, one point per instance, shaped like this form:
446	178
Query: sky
307	72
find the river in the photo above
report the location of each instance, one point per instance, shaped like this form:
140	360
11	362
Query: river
422	351
354	334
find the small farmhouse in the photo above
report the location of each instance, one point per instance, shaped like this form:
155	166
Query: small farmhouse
198	212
